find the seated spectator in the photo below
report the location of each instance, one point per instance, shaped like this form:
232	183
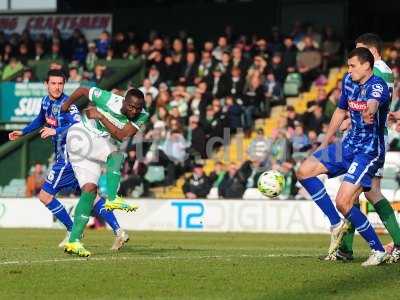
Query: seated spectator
232	185
39	51
314	118
277	68
251	171
217	83
198	185
221	48
273	93
55	51
205	67
188	72
13	67
80	50
35	181
239	61
73	75
308	62
196	138
260	147
234	114
91	57
212	123
133	171
103	44
393	60
281	148
225	64
291	116
330	49
218	174
299	140
289	55
27	76
154	76
99	72
23	55
133	53
171	70
235	83
253	96
148	87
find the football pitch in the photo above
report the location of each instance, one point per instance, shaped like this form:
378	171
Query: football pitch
183	265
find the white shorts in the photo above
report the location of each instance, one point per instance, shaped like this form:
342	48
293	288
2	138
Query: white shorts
379	173
87	153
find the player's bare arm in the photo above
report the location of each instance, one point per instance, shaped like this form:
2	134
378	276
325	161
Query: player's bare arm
120	134
78	93
369	113
46	132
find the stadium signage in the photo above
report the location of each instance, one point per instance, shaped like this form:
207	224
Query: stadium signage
20	102
90	24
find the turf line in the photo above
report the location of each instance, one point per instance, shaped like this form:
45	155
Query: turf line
121	258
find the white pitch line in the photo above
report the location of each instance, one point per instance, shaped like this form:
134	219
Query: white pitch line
117	258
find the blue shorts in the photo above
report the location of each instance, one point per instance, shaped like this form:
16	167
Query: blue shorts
357	168
60	177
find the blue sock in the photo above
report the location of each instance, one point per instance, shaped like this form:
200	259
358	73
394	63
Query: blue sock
107	216
364	228
58	210
316	189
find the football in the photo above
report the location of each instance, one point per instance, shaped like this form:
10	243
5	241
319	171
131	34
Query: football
271	183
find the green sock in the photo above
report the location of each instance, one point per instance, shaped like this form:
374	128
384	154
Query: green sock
348	238
113	173
388	218
82	214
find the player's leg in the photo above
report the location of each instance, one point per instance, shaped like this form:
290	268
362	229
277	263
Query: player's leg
121	237
113	174
322	162
387	216
47	196
87	173
358	178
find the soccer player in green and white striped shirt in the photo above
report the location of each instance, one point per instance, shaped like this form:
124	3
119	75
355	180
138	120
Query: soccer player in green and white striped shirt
95	141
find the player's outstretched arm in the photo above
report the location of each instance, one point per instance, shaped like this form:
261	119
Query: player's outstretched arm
120	134
78	93
338	116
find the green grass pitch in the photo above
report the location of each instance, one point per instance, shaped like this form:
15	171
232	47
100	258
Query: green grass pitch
185	265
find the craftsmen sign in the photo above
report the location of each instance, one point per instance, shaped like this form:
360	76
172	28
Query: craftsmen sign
91	25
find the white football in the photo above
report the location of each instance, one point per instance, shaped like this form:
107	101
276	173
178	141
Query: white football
271	183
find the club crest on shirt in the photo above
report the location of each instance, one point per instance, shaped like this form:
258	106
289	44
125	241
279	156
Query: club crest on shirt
363	92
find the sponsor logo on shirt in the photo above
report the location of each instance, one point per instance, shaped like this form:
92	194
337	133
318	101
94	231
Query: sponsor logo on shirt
357	105
97	93
51	121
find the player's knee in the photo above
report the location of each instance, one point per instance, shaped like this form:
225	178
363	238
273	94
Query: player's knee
45	197
89	188
303	172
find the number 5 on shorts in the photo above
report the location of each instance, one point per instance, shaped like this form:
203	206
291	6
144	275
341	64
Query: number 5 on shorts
352	168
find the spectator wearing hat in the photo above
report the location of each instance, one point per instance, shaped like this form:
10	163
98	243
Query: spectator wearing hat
91	57
198	185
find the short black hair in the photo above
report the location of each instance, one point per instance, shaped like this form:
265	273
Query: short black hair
134	92
363	54
370	40
56	73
